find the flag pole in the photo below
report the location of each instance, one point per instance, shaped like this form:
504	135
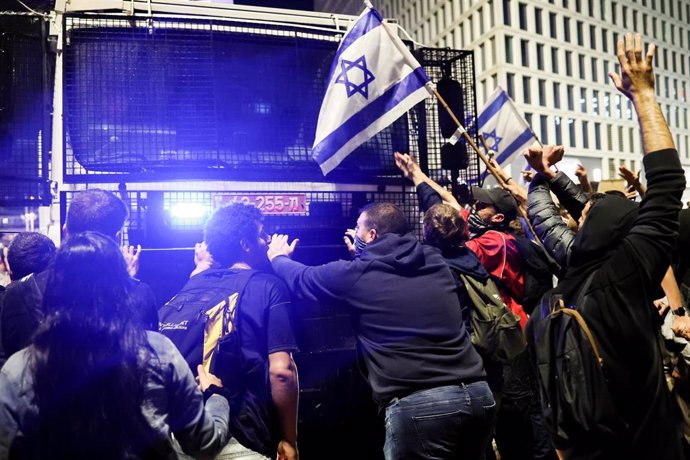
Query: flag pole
483	157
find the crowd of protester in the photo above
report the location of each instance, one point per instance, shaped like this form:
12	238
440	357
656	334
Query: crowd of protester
93	370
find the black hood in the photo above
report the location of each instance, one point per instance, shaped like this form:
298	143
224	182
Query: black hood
606	226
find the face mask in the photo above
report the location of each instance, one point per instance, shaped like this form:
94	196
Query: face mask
359	245
475	224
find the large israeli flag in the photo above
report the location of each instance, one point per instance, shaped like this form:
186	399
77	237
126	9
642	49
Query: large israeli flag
503	128
374	80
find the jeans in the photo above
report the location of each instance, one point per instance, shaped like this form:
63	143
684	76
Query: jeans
450	422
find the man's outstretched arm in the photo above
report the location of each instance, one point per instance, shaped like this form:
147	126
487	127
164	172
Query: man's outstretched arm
282	372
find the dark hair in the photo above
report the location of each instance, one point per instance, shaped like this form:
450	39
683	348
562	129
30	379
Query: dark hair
385	218
227	227
444	227
597	197
29	252
89	357
617	193
96	210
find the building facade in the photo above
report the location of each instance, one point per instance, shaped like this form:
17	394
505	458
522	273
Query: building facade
553	58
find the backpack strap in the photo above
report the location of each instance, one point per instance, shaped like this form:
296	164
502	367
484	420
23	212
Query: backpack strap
561	308
228	316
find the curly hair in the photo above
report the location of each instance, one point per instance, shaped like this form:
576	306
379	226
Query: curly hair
29	252
444	227
227	227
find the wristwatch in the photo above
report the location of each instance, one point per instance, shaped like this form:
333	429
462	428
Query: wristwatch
680	311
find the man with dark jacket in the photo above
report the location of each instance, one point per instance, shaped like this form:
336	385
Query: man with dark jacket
625	251
90	210
423	370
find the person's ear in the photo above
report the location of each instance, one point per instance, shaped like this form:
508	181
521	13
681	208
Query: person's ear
373	234
498	218
246	247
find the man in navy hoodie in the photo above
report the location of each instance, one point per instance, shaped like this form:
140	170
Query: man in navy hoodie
424	372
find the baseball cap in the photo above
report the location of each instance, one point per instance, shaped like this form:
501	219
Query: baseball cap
501	199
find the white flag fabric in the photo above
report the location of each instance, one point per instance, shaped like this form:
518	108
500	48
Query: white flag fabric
374	80
503	128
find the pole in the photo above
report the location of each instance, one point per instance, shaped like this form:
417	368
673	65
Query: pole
484	158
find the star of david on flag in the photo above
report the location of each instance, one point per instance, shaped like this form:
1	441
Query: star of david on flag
503	128
373	81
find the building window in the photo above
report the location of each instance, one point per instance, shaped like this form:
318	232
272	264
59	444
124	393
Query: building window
597	136
556	95
542	92
537	21
595	102
524	52
506	12
578	28
585	135
554	60
570	97
566	29
594	70
558	130
571	132
526	90
540	56
569	63
614	17
552	25
510	85
522	15
509	49
544	128
607	105
609	137
583	100
581	65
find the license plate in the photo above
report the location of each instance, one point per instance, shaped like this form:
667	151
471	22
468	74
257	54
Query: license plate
268	203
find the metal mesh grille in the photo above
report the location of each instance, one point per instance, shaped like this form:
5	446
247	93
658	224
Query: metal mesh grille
328	214
171	99
24	122
458	65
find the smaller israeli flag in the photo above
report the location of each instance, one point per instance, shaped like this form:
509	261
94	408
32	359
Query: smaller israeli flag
503	128
374	80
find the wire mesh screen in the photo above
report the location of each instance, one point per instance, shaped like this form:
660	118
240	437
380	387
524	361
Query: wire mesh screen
459	66
176	218
171	99
24	123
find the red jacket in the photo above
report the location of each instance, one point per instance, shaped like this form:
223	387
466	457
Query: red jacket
498	253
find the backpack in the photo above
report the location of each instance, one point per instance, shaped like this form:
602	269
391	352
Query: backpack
496	331
576	398
202	321
538	268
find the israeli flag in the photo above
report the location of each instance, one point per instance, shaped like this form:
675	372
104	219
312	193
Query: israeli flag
503	128
374	80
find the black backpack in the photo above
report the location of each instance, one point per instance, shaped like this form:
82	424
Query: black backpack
496	332
538	269
202	321
576	398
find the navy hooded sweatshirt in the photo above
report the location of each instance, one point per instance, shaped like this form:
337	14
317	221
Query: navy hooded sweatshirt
407	317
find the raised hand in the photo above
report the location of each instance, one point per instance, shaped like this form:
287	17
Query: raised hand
279	246
349	240
637	71
131	256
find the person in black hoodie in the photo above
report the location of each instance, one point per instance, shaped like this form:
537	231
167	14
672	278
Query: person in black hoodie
423	370
625	251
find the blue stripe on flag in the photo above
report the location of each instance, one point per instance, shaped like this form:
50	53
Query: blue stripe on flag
516	144
492	109
368	115
364	25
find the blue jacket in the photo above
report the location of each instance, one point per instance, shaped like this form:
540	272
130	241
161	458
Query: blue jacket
407	317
